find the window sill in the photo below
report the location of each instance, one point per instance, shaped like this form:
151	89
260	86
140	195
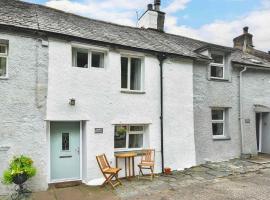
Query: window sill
132	92
4	78
138	151
221	138
218	79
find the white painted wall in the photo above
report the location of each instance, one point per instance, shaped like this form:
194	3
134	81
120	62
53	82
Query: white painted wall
100	101
179	145
22	113
149	20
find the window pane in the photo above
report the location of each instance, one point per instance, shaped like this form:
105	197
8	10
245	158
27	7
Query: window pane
135	74
136	128
217	128
135	141
217	71
217	114
97	59
80	57
124	72
3	66
120	136
2	49
65	141
217	58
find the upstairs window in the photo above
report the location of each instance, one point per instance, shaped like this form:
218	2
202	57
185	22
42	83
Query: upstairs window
84	58
80	57
3	60
218	122
131	73
217	66
97	59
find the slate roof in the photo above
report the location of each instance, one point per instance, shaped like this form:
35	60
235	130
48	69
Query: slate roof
37	17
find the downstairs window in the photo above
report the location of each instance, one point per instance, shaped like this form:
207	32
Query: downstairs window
129	136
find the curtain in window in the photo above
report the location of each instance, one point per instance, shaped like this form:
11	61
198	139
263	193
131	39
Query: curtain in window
124	72
3	66
135	74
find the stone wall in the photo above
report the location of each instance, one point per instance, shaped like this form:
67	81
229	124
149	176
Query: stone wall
256	84
23	100
214	93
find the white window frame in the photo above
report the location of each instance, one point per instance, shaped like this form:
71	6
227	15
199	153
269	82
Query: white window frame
213	64
129	57
5	55
129	132
89	49
223	121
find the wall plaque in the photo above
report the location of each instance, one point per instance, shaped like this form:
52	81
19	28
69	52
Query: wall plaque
98	130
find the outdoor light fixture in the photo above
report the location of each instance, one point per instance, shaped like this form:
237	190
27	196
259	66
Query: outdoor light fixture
72	102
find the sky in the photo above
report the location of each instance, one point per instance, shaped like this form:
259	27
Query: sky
216	21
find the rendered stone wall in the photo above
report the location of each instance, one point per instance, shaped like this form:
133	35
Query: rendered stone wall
23	98
255	91
210	93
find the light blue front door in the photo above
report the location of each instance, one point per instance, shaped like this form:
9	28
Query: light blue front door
65	150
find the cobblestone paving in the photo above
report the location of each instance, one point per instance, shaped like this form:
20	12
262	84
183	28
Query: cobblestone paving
235	179
223	180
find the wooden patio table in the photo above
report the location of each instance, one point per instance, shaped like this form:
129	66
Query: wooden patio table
128	156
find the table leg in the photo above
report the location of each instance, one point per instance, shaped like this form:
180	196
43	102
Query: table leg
126	167
129	167
133	168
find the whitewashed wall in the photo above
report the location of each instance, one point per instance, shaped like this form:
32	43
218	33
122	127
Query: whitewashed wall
100	101
22	106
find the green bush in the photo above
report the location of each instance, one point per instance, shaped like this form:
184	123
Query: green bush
19	165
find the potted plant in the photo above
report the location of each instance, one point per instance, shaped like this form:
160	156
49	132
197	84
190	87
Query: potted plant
121	130
19	171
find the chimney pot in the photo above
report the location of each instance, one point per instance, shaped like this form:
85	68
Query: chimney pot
150	6
157	5
245	29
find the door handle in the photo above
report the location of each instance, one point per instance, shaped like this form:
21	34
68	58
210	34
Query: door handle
78	150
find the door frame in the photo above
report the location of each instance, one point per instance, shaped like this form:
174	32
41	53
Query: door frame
49	151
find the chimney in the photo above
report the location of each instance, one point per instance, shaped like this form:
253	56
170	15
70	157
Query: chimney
153	18
157	5
244	42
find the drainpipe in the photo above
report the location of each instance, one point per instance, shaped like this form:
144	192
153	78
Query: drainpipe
161	57
241	109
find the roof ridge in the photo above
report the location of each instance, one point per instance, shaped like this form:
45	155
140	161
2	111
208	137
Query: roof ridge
112	23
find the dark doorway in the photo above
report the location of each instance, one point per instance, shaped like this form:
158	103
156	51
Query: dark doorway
258	130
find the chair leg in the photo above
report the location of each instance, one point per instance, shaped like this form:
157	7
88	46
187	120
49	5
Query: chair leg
152	173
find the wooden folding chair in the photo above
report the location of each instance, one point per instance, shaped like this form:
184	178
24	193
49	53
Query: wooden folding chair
147	162
108	172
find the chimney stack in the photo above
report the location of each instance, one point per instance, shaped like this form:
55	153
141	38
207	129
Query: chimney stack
153	18
157	5
245	29
150	7
244	42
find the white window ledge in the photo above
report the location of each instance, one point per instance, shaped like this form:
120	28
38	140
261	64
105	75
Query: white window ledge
218	79
3	78
132	92
222	137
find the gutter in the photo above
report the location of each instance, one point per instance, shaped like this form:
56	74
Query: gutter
161	57
241	109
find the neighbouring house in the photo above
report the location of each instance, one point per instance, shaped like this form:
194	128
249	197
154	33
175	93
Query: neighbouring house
73	87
